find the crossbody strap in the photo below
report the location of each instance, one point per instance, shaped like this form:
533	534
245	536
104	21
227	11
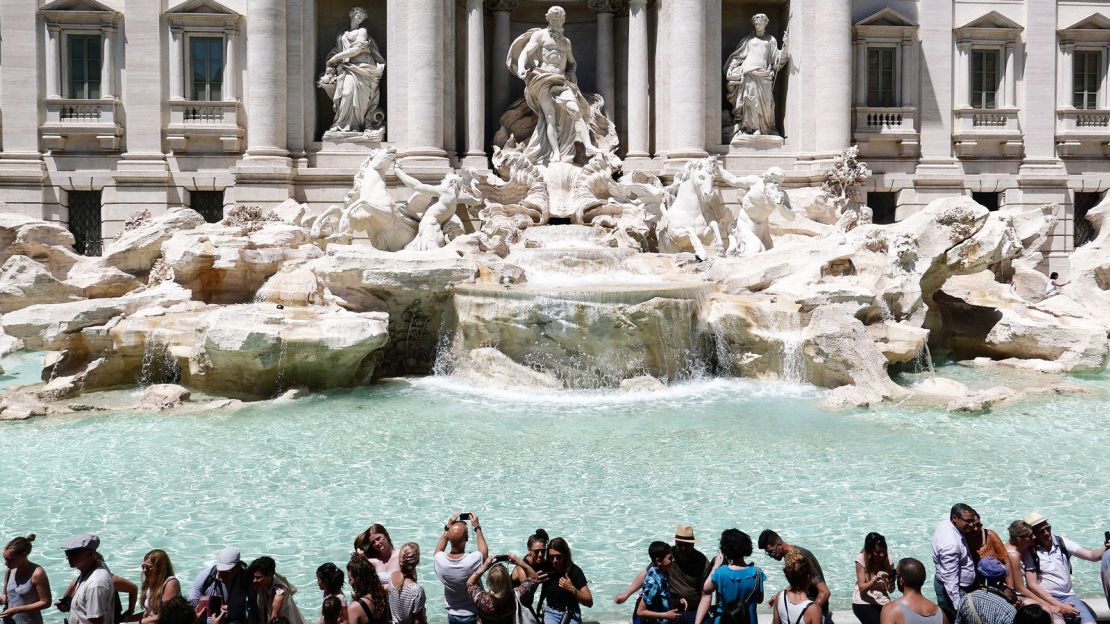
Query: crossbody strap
974	611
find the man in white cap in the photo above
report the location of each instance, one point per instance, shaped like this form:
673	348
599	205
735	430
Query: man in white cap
1048	565
223	588
92	600
687	575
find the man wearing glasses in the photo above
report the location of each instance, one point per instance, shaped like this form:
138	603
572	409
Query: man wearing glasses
955	568
1048	564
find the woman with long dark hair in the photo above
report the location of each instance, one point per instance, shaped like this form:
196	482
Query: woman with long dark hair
874	579
565	591
369	602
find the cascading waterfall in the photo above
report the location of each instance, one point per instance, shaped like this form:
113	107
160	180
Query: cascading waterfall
589	316
159	365
283	351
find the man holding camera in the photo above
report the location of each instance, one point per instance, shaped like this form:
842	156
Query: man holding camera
93	597
222	593
455	567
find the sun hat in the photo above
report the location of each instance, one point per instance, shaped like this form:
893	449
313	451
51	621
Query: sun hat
685	534
1034	518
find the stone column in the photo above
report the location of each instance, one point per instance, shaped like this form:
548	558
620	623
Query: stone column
502	11
476	84
834	41
266	71
177	66
687	80
606	82
231	65
639	103
107	65
53	53
424	39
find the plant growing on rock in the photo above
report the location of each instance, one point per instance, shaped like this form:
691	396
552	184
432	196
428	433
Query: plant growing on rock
136	219
250	217
841	188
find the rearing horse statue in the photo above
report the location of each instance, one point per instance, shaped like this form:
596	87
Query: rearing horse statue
690	223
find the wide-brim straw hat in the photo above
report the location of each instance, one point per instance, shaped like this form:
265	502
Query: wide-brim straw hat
1034	518
685	534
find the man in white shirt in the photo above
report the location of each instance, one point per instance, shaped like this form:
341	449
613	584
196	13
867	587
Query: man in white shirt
1048	564
954	566
455	567
93	598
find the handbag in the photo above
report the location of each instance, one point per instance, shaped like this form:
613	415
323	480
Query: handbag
523	615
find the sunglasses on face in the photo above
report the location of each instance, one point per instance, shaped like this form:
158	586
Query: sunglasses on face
1044	528
555	556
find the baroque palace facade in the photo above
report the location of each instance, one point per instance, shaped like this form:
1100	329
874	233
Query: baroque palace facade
114	106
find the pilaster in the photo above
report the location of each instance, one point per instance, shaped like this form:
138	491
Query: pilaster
476	84
424	137
606	69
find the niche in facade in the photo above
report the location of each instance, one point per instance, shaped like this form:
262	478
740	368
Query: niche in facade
736	23
332	18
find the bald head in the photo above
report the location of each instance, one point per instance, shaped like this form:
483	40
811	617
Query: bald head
457	536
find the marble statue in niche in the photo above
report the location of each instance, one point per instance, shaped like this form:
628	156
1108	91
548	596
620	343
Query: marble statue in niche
561	123
750	72
351	79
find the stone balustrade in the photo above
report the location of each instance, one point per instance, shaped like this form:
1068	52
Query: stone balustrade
93	123
887	131
1082	133
988	133
204	126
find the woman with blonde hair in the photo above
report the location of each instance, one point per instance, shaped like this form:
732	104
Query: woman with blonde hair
498	604
406	597
26	590
1021	540
158	585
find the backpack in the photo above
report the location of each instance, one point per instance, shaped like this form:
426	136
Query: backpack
736	612
1064	549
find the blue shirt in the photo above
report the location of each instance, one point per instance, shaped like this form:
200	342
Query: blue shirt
656	592
744	584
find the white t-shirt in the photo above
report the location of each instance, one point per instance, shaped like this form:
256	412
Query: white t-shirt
453	574
1055	576
93	598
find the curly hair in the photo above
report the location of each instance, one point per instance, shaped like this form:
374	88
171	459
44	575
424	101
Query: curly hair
798	571
365	584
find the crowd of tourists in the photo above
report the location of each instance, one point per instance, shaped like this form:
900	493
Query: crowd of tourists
977	579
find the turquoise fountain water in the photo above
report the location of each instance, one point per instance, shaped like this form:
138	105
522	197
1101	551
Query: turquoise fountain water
611	472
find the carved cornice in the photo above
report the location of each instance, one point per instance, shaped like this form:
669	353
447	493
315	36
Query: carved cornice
608	6
501	5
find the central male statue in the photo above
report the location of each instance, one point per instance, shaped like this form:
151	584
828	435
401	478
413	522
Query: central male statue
544	60
750	72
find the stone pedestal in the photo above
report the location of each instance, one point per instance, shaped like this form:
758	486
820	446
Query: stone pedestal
341	151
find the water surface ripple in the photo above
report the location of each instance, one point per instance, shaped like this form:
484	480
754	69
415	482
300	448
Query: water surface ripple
610	472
